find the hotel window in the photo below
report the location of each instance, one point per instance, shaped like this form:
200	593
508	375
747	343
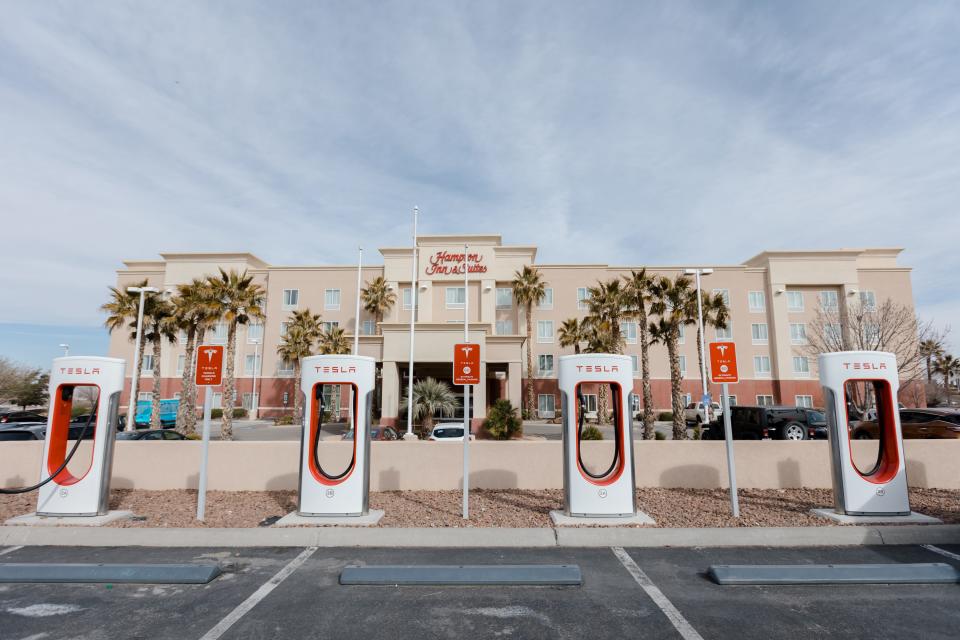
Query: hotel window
145	395
759	333
687	399
181	362
635	363
456	297
547	301
635	403
761	365
248	401
801	366
683	334
219	333
795	301
333	324
871	336
798	333
331	299
868	300
725	293
285	367
254	332
504	327
804	401
369	327
828	300
545	364
252	363
765	401
758	301
408	299
504	298
147	364
683	365
546	405
583	298
283	328
182	337
629	332
217	400
732	400
177	395
833	333
291	298
590	402
544	330
726	333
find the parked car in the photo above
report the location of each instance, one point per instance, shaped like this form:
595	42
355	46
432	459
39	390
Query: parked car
18	434
448	432
376	433
168	412
916	423
22	416
816	424
756	423
150	434
694	413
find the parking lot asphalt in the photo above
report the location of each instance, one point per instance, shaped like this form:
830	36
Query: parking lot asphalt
294	593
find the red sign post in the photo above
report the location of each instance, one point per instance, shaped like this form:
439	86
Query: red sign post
209	365
723	362
466	363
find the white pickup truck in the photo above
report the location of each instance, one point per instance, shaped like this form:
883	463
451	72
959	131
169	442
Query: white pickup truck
694	414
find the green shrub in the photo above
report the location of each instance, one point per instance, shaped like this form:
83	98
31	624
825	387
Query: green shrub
665	416
591	433
280	420
239	412
659	436
194	436
502	422
698	432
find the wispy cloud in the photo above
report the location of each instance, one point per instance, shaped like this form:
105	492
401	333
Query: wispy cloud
646	133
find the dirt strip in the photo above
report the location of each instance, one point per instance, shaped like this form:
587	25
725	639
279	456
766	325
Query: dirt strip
489	508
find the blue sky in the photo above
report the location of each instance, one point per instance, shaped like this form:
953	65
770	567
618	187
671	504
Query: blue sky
674	132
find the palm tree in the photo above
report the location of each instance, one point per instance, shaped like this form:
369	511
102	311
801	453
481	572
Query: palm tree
948	367
157	311
295	345
193	313
716	314
930	350
122	310
638	297
378	299
431	396
571	333
237	300
334	341
529	289
671	303
606	304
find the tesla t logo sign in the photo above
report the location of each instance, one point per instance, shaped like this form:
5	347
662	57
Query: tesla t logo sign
209	365
723	362
466	363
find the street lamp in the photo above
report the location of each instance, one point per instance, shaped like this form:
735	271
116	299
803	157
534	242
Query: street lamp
255	405
132	409
703	350
66	349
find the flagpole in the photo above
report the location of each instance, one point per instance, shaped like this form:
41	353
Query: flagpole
466	388
356	324
413	315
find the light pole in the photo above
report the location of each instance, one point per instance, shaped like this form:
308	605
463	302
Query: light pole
703	350
410	435
66	349
132	409
255	400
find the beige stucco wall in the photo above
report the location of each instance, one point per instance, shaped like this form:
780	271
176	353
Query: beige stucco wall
255	466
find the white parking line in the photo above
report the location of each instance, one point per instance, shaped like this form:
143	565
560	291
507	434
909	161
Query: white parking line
258	595
943	552
675	617
10	550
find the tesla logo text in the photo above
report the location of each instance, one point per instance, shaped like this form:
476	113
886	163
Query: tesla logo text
80	371
868	366
598	368
335	369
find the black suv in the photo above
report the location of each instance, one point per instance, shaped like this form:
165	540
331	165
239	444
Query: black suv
777	423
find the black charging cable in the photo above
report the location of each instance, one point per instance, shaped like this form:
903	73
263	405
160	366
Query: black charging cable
316	441
617	435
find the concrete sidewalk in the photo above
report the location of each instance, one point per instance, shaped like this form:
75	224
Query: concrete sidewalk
481	537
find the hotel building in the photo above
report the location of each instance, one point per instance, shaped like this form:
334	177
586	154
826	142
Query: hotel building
773	297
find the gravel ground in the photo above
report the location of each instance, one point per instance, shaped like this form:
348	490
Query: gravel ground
489	508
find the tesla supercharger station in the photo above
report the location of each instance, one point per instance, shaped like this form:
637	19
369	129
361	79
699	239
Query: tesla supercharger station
607	496
881	489
327	493
89	494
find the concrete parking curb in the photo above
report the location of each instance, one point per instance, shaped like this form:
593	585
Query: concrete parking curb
480	537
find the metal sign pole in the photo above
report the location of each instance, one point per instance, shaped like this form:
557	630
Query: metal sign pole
205	448
728	436
466	389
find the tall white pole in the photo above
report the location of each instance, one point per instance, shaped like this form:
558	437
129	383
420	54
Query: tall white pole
728	436
466	388
132	409
255	404
204	454
413	315
703	351
356	324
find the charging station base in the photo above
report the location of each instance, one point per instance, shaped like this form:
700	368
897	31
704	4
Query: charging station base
33	520
560	519
294	519
913	518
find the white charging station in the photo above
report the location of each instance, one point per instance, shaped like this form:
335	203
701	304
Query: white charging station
880	490
607	497
334	496
88	495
